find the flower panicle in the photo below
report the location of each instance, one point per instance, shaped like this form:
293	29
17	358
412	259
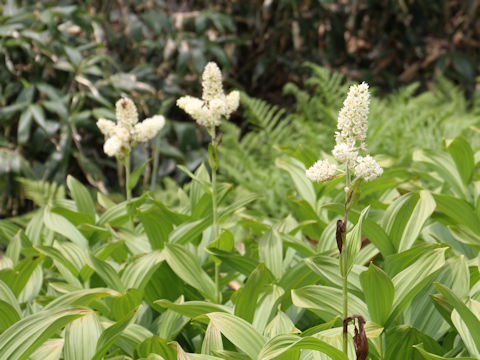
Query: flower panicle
350	139
120	136
214	104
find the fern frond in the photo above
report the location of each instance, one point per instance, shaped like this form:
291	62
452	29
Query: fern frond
42	192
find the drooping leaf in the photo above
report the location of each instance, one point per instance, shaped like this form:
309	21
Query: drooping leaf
25	336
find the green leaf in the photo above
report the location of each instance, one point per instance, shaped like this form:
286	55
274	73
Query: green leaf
379	293
242	264
81	297
270	251
212	341
462	154
135	175
469	318
239	332
458	210
352	245
246	301
39	116
24	126
81	337
404	218
446	168
430	356
18	277
156	225
212	157
284	343
49	350
8	315
185	265
138	273
81	196
25	336
171	322
106	272
327	301
122	305
304	186
64	227
193	309
8	296
156	345
410	281
109	335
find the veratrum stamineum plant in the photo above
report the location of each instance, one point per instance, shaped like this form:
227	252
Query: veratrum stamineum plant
350	140
208	112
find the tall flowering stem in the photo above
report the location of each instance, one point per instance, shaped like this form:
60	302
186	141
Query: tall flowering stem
350	139
209	111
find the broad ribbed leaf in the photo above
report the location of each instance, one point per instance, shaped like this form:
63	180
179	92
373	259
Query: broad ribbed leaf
61	225
327	301
81	196
239	332
410	281
186	266
404	218
304	186
81	297
193	309
111	334
25	336
138	273
246	301
81	337
430	356
468	317
284	343
379	293
352	245
270	250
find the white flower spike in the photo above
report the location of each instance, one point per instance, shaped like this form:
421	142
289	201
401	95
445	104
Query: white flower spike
214	104
350	140
127	132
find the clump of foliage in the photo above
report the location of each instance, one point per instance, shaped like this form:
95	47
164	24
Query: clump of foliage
203	272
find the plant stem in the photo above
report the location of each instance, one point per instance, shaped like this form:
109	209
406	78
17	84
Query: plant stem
344	261
214	220
127	177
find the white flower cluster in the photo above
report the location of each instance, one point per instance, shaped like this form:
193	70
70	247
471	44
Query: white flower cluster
127	130
353	118
322	170
350	138
367	168
214	104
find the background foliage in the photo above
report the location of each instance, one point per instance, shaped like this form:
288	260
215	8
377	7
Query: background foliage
86	275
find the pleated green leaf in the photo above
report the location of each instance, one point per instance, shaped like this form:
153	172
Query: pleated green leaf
379	293
193	309
186	266
81	337
138	273
404	218
284	343
82	197
239	332
110	335
25	336
61	225
327	301
430	356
